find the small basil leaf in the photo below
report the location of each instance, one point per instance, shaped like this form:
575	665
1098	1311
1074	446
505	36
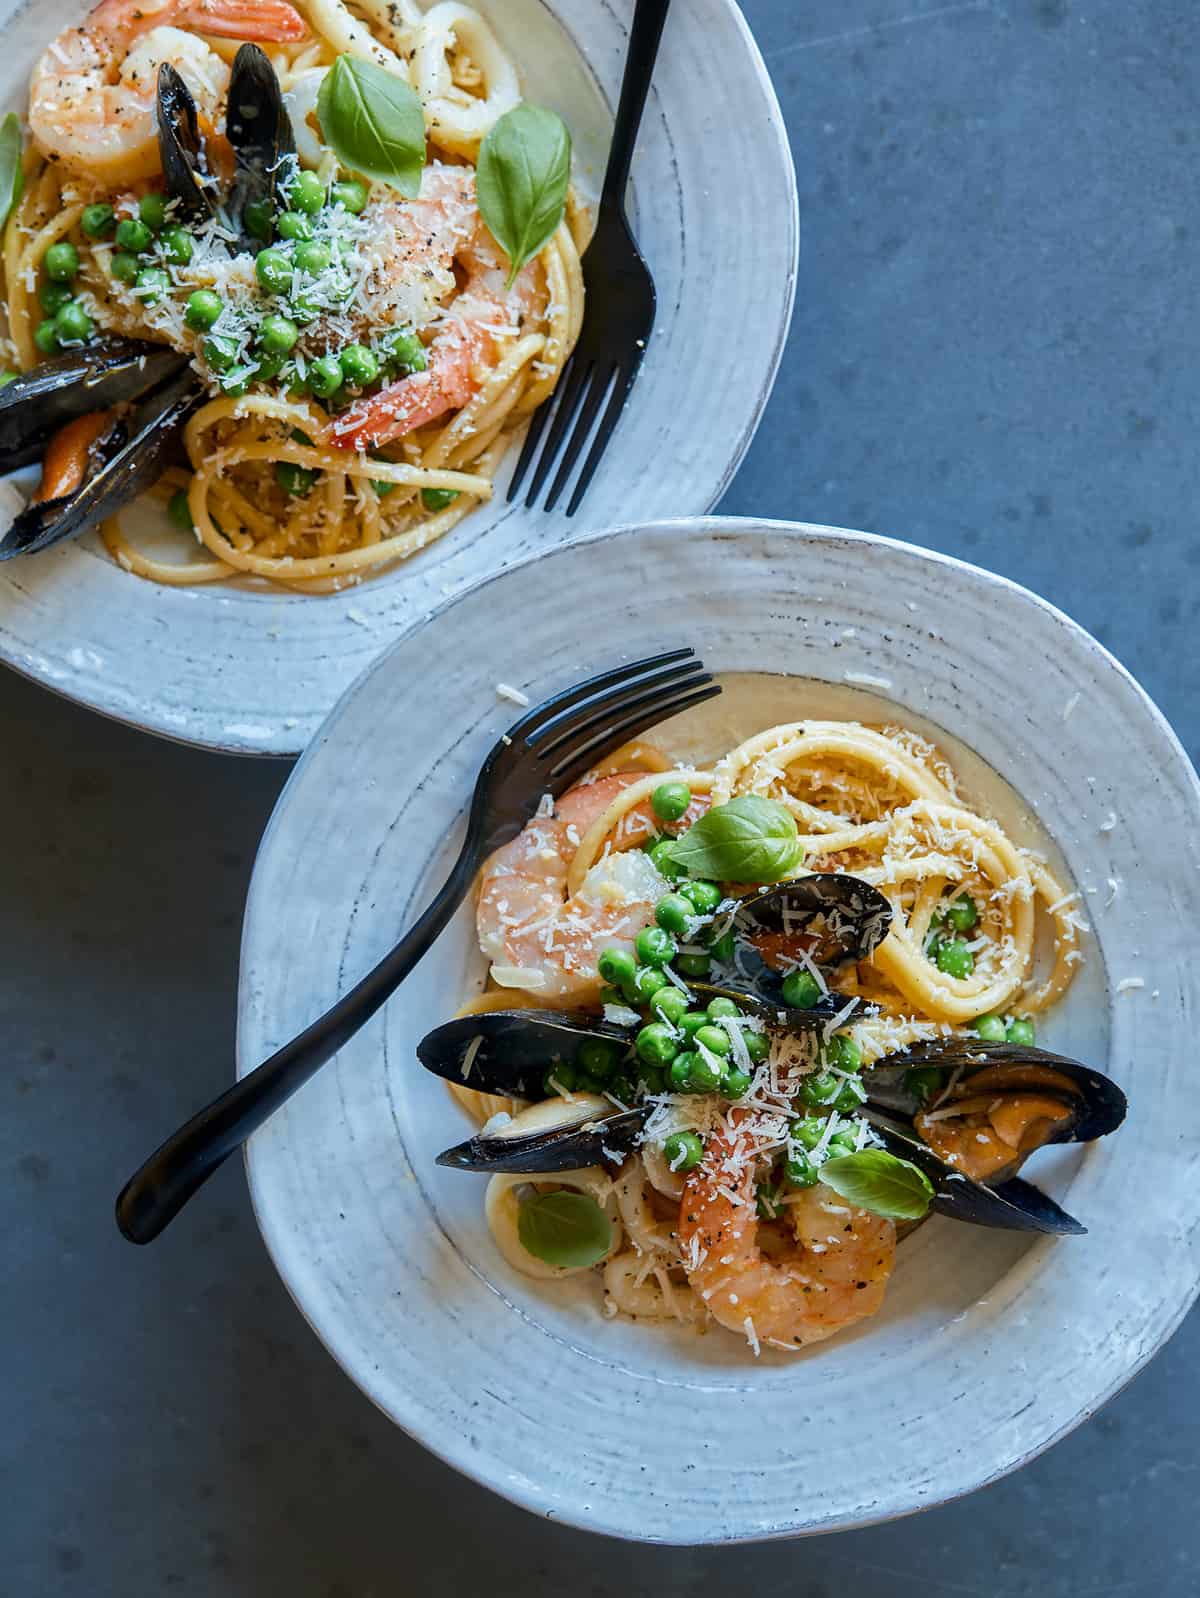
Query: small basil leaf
521	181
374	123
564	1228
747	840
12	178
877	1181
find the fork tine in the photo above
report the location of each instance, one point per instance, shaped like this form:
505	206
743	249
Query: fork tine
579	433
563	418
604	432
573	766
595	712
536	719
537	426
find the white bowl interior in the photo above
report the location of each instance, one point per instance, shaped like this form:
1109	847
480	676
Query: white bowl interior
989	1345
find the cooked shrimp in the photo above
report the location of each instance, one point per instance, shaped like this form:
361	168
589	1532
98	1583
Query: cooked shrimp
527	923
836	1273
92	96
440	230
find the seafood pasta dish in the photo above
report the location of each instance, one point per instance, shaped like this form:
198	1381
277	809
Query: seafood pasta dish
746	1022
303	270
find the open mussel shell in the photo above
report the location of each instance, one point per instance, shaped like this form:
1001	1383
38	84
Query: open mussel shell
516	1048
1013	1206
972	1066
108	372
849	916
135	452
558	1135
180	149
259	129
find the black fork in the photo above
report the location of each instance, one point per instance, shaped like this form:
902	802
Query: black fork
618	303
546	752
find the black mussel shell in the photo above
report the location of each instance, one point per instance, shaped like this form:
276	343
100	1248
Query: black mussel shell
1014	1205
518	1048
180	148
581	1131
855	916
259	129
108	372
1099	1103
138	451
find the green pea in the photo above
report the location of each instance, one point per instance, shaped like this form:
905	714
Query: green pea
654	946
934	936
177	245
359	365
382	489
723	1007
683	1151
819	1089
954	958
133	235
152	209
180	511
801	990
277	335
236	386
623	1087
809	1131
268	367
735	1084
436	499
990	1028
294	480
655	1044
961	913
715	1039
843	1143
587	1083
681	1071
704	1076
98	221
647	981
306	193
257	218
220	352
696	966
758	1045
692	1020
616	966
7	377
670	800
561	1078
723	948
351	196
46	336
304	312
312	258
53	296
842	1053
673	913
273	271
924	1082
666	865
61	261
599	1056
850	1095
293	225
669	1004
202	310
73	323
1022	1033
402	352
325	378
610	995
151	283
123	266
799	1170
704	897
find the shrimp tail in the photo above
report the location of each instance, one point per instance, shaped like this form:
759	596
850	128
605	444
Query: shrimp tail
259	21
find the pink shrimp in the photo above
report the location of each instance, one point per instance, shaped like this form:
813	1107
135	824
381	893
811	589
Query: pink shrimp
836	1274
92	95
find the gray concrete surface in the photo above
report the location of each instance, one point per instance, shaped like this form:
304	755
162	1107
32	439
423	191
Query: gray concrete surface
994	354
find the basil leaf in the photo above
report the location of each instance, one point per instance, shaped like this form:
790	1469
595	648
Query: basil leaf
12	178
521	181
877	1181
374	122
747	840
564	1228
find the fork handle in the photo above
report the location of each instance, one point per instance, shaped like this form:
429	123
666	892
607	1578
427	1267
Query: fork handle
157	1192
644	35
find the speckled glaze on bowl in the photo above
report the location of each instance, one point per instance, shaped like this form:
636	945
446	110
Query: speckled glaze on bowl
253	670
990	1345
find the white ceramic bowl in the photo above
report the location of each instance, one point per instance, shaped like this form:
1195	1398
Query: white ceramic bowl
254	670
990	1345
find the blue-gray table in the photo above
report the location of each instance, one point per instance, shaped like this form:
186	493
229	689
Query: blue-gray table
995	354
